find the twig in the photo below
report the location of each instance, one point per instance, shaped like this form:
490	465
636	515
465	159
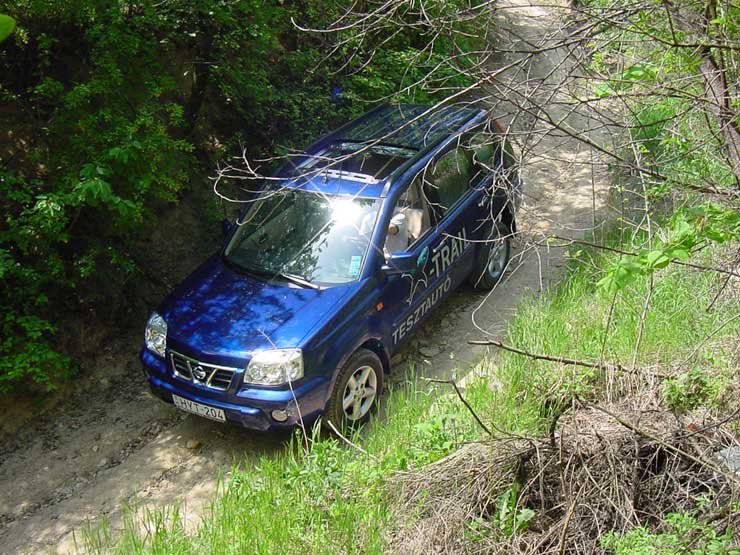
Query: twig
568	517
464	402
347	440
717	424
559	411
567	361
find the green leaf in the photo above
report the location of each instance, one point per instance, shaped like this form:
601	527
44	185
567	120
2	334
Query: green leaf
638	73
680	254
603	90
523	518
619	276
656	260
7	26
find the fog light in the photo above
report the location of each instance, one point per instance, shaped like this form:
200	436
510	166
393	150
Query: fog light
279	415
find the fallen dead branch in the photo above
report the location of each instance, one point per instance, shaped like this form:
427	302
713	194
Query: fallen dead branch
569	361
644	433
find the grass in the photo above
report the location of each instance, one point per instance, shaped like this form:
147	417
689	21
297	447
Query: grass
325	499
583	322
330	498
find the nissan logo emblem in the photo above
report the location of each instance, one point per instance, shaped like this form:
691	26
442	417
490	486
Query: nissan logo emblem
199	373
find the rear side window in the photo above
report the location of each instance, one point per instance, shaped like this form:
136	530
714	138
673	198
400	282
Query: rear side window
448	180
477	154
484	150
491	155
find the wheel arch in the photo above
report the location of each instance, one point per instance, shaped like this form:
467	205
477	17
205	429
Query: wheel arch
371	344
507	217
377	347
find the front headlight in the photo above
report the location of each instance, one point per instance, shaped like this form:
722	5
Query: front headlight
155	335
275	367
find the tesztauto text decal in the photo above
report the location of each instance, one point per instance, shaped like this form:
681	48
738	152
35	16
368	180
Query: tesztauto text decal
406	325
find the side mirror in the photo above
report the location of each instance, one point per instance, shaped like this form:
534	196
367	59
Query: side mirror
227	226
406	262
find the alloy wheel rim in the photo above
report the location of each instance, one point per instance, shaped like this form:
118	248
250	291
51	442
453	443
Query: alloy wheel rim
359	393
497	258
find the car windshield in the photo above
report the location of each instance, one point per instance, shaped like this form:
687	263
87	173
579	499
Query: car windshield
309	236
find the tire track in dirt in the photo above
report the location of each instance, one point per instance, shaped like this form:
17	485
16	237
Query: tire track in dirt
113	445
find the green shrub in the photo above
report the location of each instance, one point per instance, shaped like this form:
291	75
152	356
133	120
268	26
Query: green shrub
694	388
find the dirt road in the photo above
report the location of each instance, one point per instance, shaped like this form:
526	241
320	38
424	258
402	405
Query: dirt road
113	445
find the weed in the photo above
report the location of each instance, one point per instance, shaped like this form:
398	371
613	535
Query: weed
684	535
694	388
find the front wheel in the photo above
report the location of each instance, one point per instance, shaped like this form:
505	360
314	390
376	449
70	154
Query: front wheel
492	258
356	390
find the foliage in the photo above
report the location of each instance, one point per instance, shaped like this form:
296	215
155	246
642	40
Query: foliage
110	109
582	320
688	231
695	388
438	434
507	520
684	534
647	59
24	342
7	26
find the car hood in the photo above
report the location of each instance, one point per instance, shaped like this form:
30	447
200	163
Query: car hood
222	313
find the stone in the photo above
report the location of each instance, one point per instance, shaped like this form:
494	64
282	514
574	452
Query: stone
192	444
397	360
730	457
429	350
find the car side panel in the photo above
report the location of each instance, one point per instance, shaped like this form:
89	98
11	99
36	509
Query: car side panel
344	333
450	253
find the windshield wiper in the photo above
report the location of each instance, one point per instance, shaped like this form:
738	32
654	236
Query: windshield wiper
298	280
258	272
234	266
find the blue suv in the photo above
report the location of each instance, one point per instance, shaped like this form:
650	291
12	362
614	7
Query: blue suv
333	264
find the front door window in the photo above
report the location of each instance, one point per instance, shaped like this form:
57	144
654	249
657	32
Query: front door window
409	222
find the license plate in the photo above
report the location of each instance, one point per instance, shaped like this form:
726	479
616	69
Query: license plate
196	408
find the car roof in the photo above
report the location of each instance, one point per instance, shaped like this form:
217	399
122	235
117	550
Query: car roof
410	130
411	126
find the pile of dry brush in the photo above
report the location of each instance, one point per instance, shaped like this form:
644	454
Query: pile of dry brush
601	469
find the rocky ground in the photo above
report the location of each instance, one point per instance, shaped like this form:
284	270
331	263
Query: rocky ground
111	444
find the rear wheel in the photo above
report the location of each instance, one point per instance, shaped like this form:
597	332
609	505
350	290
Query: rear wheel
492	258
356	390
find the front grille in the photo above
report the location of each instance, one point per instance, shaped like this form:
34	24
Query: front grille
201	373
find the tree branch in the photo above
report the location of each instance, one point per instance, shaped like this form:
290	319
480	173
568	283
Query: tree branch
464	402
571	241
567	361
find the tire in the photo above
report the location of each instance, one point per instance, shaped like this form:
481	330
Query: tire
492	259
351	403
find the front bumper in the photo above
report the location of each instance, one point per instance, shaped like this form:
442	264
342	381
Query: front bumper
250	407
